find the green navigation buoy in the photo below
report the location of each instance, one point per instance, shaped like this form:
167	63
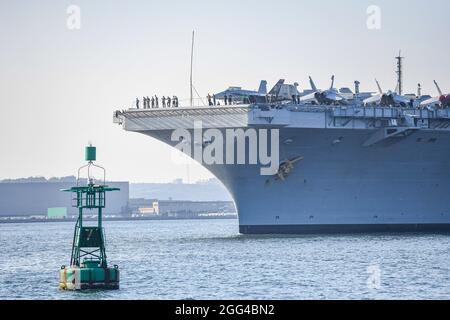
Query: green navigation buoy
88	264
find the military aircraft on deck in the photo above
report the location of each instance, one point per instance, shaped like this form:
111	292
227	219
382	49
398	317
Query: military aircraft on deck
284	92
443	99
243	95
329	96
387	98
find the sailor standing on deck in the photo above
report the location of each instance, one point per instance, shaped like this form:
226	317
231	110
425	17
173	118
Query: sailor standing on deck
209	100
148	102
230	99
153	102
163	100
168	102
226	99
144	102
174	102
214	99
137	103
156	101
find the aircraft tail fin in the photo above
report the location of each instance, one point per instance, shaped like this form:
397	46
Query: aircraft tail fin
437	87
263	87
379	87
276	89
313	85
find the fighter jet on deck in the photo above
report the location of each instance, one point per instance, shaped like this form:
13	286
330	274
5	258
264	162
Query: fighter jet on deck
284	92
443	99
329	96
387	98
239	94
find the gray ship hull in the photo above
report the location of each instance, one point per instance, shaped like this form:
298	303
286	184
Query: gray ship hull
362	169
399	184
344	229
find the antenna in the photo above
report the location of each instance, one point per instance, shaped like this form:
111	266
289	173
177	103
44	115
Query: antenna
192	60
192	88
400	72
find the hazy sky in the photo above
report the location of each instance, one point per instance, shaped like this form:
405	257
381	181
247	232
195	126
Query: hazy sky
59	87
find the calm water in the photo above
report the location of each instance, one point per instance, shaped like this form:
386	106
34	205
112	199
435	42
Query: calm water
209	260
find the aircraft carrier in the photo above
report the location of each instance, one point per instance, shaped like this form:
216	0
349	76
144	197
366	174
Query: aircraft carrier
362	168
377	164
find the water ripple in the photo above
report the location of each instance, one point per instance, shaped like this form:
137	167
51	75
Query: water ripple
208	259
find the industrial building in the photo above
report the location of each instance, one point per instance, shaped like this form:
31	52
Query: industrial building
179	208
46	199
141	207
186	209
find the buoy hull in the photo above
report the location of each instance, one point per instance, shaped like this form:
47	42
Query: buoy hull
75	278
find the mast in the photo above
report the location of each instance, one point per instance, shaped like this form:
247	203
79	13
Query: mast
400	72
192	60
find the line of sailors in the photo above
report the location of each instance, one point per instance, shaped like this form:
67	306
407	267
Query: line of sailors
153	102
296	99
228	100
167	102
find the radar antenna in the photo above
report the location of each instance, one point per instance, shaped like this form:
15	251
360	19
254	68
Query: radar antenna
400	73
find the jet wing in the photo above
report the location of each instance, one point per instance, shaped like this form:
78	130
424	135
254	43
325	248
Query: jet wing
333	96
401	99
308	97
373	99
248	93
427	102
238	93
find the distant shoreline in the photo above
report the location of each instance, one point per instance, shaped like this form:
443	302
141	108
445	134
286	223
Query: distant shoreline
7	221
